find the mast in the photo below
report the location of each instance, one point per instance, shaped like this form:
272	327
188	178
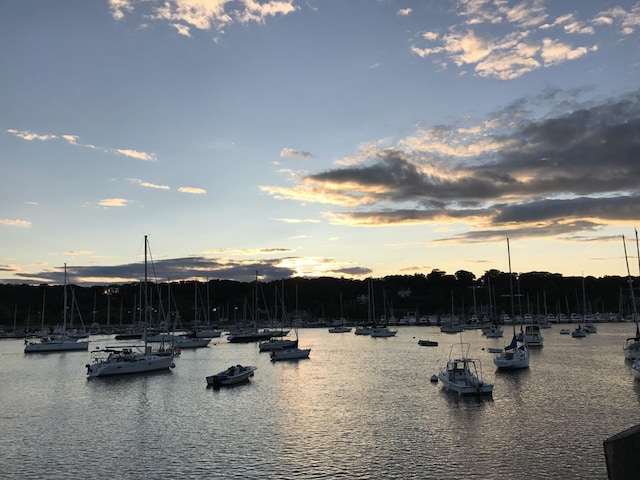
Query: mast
633	298
511	290
64	314
146	299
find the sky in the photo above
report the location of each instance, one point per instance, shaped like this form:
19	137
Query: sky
341	138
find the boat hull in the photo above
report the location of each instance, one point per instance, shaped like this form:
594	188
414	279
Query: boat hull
231	376
56	346
125	365
290	354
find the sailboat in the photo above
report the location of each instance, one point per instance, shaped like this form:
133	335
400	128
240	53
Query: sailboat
340	327
513	357
291	353
61	342
632	345
111	361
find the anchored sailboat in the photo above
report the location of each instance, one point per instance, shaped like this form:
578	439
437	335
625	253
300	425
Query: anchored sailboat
513	357
134	359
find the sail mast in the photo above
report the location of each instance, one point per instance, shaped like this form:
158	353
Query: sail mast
513	320
633	298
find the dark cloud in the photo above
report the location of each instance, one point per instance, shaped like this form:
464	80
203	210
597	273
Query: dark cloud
162	270
174	269
353	271
577	169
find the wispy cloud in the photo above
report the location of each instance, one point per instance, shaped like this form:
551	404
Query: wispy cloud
15	222
142	183
73	140
113	202
297	220
290	152
404	12
192	190
136	154
29	136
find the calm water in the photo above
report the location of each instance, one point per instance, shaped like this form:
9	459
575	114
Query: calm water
359	408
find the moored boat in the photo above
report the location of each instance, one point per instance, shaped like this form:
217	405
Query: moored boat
463	375
382	332
111	361
427	343
62	341
290	354
277	344
231	376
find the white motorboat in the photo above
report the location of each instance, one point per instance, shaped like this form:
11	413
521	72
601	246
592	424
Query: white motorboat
363	330
182	341
494	331
231	376
532	336
125	360
451	326
463	375
277	344
381	332
339	329
579	332
590	328
513	357
290	354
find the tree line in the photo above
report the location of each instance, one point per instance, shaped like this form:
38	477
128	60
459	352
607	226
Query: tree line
226	302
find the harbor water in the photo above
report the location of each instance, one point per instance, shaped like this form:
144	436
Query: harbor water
358	408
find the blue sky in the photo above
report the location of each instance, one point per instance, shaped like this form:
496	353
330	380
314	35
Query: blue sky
339	138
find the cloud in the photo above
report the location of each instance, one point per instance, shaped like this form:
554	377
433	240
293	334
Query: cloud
142	183
289	152
505	42
15	223
113	202
196	267
77	252
192	190
119	7
297	220
404	12
29	136
572	169
136	154
205	15
73	140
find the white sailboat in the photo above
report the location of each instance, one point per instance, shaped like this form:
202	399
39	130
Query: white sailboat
290	353
513	357
111	361
632	344
60	342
